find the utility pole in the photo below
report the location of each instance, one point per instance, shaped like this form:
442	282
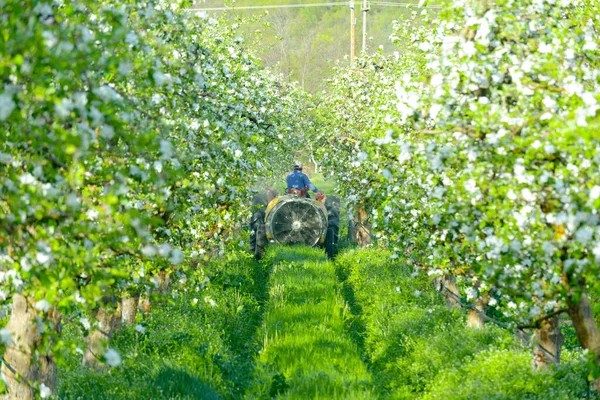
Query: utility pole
365	9
352	25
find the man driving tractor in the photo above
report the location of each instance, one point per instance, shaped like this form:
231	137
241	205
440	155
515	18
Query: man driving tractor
293	218
299	184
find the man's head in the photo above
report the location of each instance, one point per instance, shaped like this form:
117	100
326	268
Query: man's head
297	166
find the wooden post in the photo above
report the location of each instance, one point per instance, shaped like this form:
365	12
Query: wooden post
475	318
352	26
586	328
363	232
549	340
99	338
365	10
129	305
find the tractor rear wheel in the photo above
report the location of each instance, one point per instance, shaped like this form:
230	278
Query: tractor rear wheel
331	242
332	204
260	241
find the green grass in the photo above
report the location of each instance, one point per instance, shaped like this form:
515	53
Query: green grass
297	326
323	183
418	348
190	350
307	353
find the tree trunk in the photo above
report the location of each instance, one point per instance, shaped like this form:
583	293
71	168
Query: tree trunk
129	306
352	231
145	305
363	233
548	340
447	286
26	364
47	371
164	284
20	371
98	339
586	328
117	319
522	338
476	319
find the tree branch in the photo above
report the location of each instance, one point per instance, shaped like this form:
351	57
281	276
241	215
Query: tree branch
538	322
531	120
466	131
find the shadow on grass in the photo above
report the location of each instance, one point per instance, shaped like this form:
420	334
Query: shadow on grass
176	383
292	254
161	382
355	325
242	339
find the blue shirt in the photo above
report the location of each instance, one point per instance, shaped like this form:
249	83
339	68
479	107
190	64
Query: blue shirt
298	180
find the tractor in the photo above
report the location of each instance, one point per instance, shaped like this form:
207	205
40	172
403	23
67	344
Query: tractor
293	219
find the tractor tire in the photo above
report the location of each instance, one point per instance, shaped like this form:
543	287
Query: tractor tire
260	240
331	242
258	234
333	226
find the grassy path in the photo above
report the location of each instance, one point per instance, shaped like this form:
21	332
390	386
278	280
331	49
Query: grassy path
307	352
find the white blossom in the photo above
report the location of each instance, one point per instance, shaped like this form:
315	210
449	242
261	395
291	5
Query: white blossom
112	357
85	323
471	186
210	301
159	78
595	193
42	257
164	250
148	250
472	293
6	337
166	149
42	305
176	257
469	49
131	39
92	214
125	68
545	48
584	234
107	132
528	195
45	391
27	179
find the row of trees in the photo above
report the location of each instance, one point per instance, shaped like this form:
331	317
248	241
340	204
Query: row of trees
475	151
131	132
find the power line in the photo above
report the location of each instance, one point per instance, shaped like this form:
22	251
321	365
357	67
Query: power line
407	5
326	4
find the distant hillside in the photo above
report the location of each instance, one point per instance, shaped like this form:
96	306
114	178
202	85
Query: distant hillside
303	43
